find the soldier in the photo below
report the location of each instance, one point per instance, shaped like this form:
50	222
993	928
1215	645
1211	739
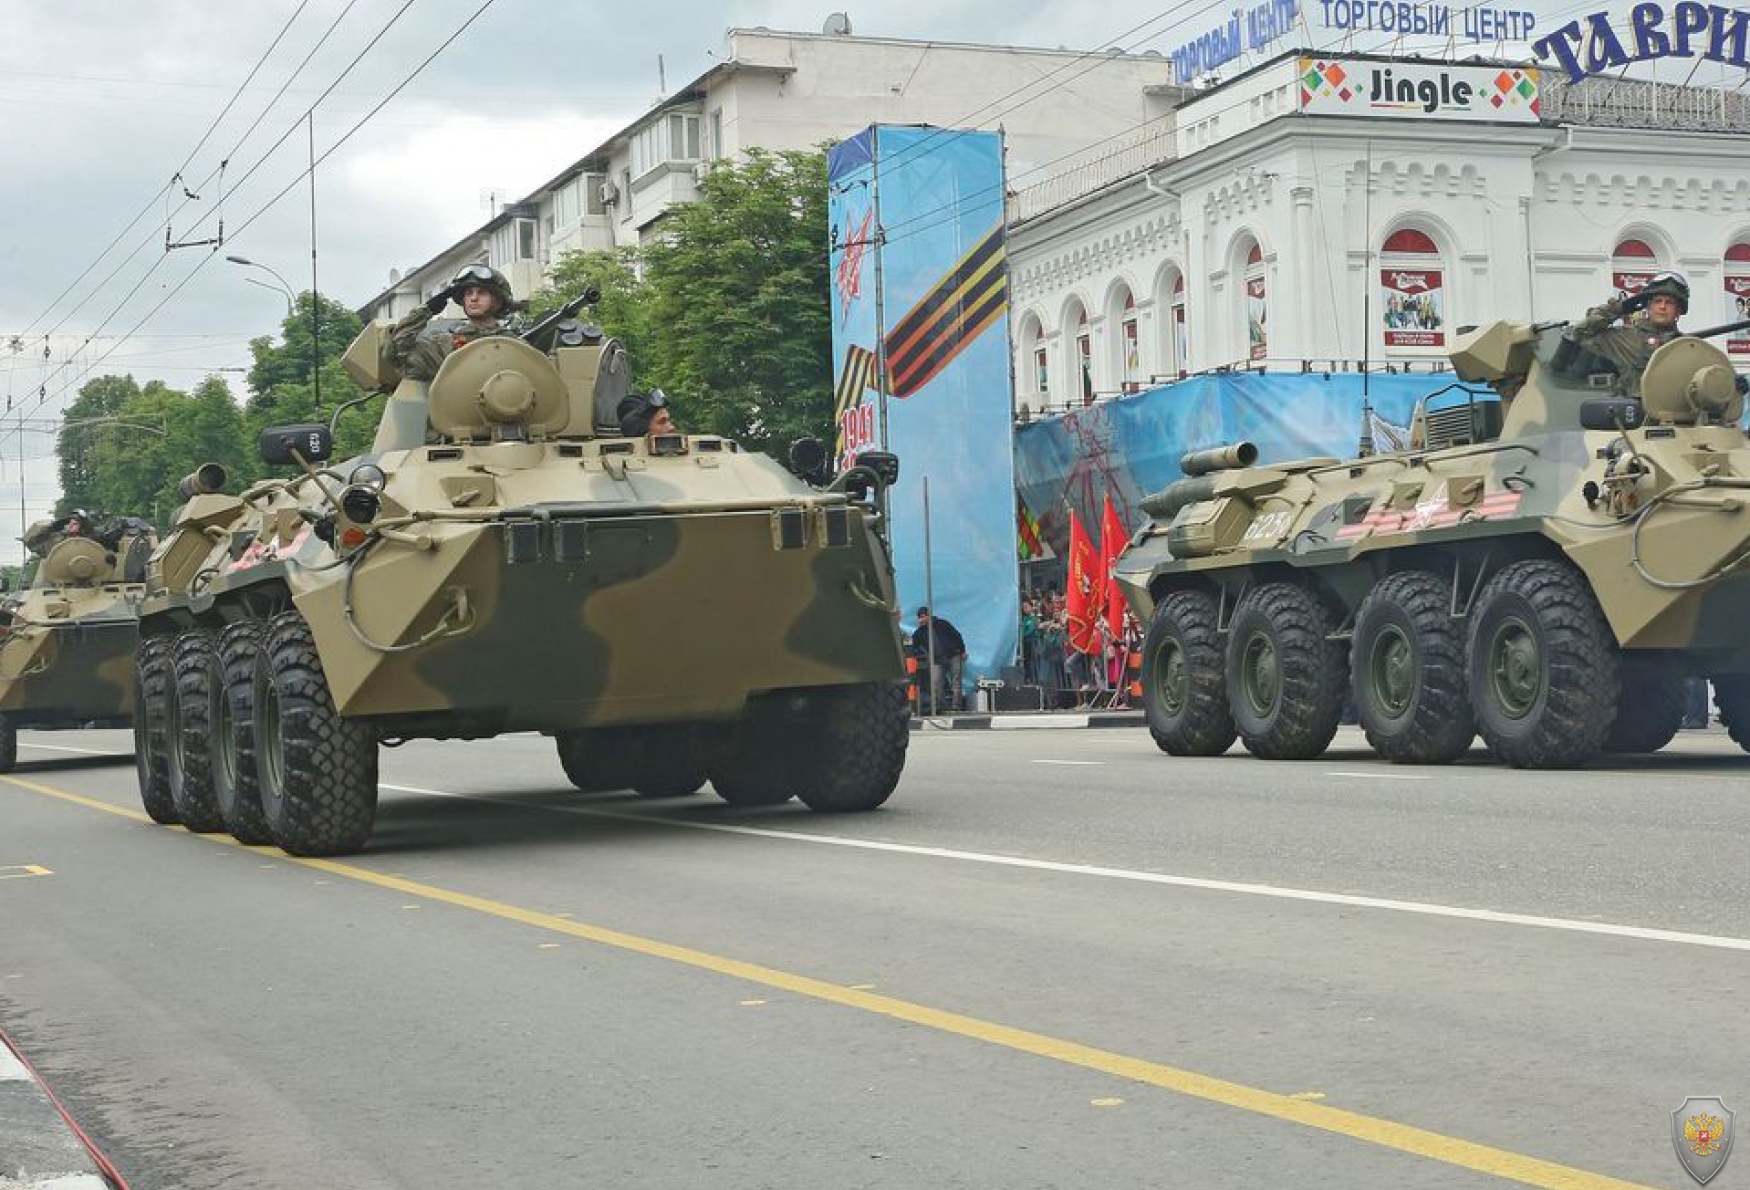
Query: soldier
645	414
1665	299
484	295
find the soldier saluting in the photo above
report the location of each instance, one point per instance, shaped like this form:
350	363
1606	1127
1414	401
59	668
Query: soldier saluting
1629	347
418	348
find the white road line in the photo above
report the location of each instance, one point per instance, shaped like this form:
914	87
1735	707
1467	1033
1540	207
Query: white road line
80	751
1382	776
1070	762
1422	908
11	1069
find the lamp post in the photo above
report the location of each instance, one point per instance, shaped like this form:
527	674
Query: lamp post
315	325
284	286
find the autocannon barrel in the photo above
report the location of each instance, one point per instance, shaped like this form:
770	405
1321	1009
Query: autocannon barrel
202	481
1219	458
1170	499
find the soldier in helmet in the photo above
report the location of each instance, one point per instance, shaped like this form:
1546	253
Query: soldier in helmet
1629	347
418	347
645	413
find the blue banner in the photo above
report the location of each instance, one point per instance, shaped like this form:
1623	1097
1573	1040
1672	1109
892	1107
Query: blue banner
1131	446
922	210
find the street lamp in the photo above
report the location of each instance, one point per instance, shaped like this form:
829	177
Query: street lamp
284	287
315	315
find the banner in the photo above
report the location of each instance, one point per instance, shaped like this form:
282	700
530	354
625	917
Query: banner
1738	291
1257	316
930	202
1085	592
1419	90
1113	538
1413	306
1629	284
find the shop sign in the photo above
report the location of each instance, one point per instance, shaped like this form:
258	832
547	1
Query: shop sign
1429	91
1593	45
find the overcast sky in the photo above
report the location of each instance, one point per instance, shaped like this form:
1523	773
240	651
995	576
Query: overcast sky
103	102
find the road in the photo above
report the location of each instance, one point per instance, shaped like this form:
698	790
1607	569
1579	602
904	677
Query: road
1056	959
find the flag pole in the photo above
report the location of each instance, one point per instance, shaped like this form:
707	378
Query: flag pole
929	598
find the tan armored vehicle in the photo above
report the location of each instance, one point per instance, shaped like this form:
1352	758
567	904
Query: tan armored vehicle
1545	566
67	640
668	608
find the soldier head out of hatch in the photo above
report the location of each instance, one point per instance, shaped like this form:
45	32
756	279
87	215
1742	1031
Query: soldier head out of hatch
481	290
418	349
645	413
1651	316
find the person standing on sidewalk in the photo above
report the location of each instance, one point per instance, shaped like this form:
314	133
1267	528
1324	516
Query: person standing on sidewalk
938	643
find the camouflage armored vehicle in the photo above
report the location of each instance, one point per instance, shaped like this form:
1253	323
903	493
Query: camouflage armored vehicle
669	608
67	640
1545	566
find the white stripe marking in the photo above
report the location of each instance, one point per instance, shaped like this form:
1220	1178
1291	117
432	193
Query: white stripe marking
1011	722
80	751
1071	762
1423	908
72	1181
11	1069
1381	776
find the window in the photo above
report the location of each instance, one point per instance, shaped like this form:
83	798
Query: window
1181	330
675	137
565	207
1085	358
716	146
1632	265
592	193
1132	349
1738	295
1412	294
1041	371
625	194
514	241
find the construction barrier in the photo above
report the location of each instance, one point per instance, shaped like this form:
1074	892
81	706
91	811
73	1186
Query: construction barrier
911	684
1134	668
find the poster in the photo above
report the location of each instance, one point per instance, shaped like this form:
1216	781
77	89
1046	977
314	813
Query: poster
1629	284
1738	310
1257	312
1414	308
1181	340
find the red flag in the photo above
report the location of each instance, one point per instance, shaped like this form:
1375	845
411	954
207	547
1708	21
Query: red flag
1086	592
1112	540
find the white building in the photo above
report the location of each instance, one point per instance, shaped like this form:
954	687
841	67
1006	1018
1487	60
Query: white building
777	91
1296	215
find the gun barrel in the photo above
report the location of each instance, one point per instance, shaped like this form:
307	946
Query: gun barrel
202	481
1219	458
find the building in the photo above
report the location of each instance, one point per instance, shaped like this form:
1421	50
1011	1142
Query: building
777	90
1314	212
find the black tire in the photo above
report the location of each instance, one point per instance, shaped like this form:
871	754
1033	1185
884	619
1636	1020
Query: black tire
235	786
1543	666
151	692
188	753
317	771
1184	678
1409	680
852	747
1649	708
1732	698
759	763
599	759
1285	677
8	743
671	762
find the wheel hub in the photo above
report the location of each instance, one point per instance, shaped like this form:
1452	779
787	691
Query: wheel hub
1515	668
1261	674
1172	680
1391	669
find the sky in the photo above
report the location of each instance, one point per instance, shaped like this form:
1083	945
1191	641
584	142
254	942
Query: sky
115	113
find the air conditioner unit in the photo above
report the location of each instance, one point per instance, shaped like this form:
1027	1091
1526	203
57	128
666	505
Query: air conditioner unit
610	193
701	170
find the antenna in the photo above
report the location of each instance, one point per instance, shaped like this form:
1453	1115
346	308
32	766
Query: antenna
661	80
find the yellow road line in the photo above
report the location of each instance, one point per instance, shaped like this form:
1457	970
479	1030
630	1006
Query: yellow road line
22	871
1405	1138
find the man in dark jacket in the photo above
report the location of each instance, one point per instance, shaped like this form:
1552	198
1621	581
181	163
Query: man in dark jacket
949	658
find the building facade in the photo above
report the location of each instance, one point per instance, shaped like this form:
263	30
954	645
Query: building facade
778	90
1298	225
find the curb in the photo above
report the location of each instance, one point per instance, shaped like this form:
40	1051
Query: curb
1027	721
44	1149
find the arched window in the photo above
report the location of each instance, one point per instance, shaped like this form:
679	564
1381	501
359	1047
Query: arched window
1180	330
1130	345
1085	358
1632	265
1412	294
1257	304
1033	359
1738	295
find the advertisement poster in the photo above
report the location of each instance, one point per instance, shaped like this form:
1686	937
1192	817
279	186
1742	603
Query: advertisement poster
1629	284
1419	90
1257	314
1737	310
949	406
1413	306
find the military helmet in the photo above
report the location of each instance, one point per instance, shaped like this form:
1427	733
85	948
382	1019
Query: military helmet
491	280
638	410
1671	285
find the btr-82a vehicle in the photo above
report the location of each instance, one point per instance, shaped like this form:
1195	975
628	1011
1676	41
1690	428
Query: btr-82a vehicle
67	640
1546	565
669	608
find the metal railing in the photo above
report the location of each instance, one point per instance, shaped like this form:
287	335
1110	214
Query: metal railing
1148	145
1642	103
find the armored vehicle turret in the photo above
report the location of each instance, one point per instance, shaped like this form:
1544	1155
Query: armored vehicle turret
669	608
1546	566
67	640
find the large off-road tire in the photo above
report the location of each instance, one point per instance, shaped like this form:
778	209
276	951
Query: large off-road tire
317	771
235	786
759	763
1184	677
671	762
1649	708
8	743
1542	666
852	748
1732	697
598	759
1407	657
188	754
1285	676
151	693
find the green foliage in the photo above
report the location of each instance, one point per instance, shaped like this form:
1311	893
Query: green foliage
289	361
135	472
82	425
620	312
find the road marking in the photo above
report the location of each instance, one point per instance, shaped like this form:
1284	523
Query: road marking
1106	1102
23	871
78	751
1075	762
1388	1134
1348	900
11	1069
1382	776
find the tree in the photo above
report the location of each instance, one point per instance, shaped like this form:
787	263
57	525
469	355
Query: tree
737	306
620	312
99	398
289	361
136	473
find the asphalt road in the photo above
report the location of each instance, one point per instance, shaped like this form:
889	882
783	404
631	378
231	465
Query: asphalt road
1056	959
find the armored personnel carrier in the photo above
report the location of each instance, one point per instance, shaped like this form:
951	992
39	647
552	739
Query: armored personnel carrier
67	640
1545	566
669	608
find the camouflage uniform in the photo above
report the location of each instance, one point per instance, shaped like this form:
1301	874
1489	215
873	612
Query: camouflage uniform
418	347
1628	347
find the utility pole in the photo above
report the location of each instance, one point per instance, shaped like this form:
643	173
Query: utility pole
315	291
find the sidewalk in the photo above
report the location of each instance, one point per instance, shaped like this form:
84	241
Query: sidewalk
1027	720
40	1147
